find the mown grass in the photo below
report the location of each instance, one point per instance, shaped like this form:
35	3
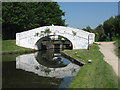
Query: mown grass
97	74
10	45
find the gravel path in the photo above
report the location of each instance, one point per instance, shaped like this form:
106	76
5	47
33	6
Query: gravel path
107	48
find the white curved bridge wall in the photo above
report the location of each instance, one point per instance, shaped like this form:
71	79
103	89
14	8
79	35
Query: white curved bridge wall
79	41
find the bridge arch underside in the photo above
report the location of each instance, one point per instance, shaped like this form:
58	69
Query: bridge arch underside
53	42
68	43
77	38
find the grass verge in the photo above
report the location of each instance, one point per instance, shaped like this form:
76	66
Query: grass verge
10	45
97	74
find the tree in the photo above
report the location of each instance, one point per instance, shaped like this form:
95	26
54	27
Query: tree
108	27
112	27
110	30
88	29
116	24
99	32
21	16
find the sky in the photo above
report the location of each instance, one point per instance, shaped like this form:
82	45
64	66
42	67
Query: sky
83	14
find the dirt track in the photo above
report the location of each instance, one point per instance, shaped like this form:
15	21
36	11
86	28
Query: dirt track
107	48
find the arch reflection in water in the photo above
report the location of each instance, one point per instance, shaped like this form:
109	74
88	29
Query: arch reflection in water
29	63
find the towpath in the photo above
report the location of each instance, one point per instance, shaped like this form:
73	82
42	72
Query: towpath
107	48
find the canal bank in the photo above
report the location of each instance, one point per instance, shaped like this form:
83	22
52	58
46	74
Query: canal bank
97	74
10	47
72	59
46	71
38	70
18	52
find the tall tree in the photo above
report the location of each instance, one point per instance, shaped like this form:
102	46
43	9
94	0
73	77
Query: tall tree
112	27
116	24
21	16
100	35
108	27
88	29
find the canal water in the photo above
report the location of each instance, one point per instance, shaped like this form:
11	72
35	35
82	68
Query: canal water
43	69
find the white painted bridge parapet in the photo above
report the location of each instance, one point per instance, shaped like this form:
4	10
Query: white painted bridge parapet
79	41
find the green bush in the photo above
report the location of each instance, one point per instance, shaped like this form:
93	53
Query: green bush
117	49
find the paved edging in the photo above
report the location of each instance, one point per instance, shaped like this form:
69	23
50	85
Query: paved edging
72	59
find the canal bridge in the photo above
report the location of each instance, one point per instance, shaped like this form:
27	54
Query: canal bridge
32	38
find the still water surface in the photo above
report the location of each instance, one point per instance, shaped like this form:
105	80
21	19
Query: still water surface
44	69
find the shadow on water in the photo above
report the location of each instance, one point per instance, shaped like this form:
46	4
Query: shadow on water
44	69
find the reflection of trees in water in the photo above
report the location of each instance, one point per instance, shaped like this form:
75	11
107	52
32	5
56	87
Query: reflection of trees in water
46	58
22	79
